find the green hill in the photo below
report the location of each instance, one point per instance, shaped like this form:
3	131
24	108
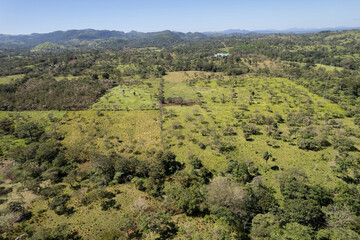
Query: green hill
47	46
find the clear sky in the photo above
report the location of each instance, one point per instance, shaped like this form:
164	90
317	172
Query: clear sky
40	16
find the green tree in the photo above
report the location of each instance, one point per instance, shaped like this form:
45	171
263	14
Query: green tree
7	125
266	157
159	223
222	192
305	212
31	129
294	231
263	226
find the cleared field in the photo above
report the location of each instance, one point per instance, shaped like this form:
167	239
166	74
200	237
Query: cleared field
181	85
329	68
68	77
213	130
9	79
126	133
135	95
90	221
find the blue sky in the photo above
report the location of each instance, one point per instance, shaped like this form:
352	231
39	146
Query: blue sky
29	16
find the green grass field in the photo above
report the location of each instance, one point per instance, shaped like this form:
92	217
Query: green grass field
211	129
9	79
126	133
68	77
131	96
188	130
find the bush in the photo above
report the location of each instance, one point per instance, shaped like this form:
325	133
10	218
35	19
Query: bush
310	140
105	205
7	125
139	183
190	200
15	207
55	174
47	151
343	143
195	162
250	129
60	232
97	194
32	129
22	154
222	192
305	212
58	204
263	226
239	171
157	222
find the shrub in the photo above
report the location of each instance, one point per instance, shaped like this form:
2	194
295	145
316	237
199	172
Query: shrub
32	129
58	204
157	222
139	183
222	192
195	162
343	143
7	125
106	204
263	226
189	199
15	207
305	212
239	171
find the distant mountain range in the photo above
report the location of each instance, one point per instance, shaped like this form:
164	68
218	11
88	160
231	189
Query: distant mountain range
286	31
86	36
76	37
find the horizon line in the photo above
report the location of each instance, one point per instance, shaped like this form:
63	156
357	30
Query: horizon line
208	31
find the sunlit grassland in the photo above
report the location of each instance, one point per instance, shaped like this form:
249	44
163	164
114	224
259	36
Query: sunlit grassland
11	78
183	77
179	84
329	68
90	221
201	130
68	77
139	96
45	118
126	133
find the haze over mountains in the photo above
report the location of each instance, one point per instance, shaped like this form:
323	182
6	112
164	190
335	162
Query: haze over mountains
72	37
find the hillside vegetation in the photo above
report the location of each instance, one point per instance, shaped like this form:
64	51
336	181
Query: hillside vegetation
156	138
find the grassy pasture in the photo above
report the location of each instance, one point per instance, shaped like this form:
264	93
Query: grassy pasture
46	118
68	77
9	79
90	221
126	133
180	84
202	130
210	130
131	96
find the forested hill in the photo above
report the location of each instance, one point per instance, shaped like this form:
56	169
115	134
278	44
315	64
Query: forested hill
87	37
73	37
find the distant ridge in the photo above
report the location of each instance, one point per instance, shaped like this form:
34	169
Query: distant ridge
286	31
167	37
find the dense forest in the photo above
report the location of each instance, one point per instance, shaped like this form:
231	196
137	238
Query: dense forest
111	135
